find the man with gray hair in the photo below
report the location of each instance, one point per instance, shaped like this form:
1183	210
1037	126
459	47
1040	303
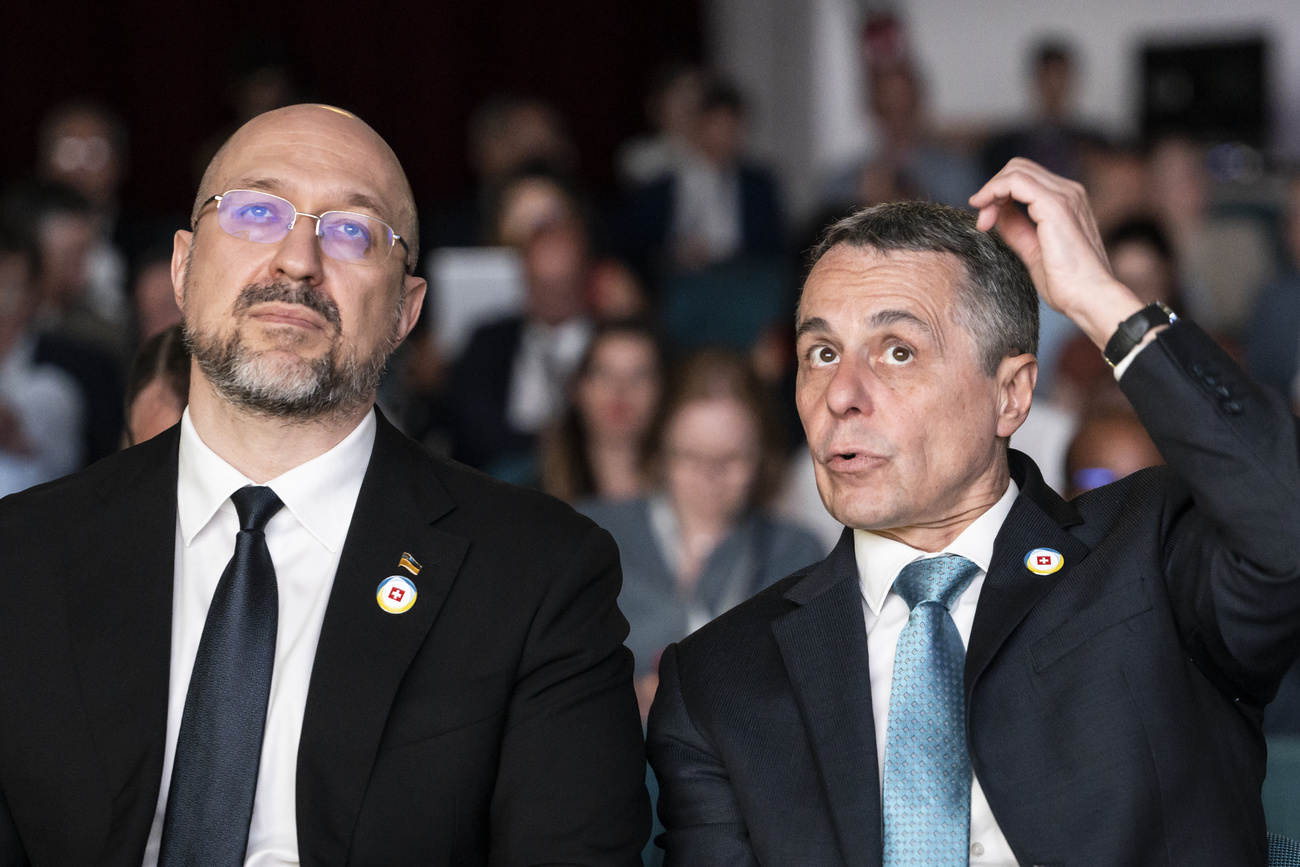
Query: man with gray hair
981	672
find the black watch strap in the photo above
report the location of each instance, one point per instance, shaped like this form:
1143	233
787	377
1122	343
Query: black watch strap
1132	330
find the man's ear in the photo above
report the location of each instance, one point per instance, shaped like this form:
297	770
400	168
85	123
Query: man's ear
181	244
414	289
1015	377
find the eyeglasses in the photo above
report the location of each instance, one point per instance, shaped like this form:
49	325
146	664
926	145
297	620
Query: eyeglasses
266	219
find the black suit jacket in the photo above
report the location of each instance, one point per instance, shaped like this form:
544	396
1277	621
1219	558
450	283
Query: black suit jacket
1113	708
478	394
493	722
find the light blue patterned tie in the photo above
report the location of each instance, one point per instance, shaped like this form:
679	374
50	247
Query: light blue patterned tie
927	768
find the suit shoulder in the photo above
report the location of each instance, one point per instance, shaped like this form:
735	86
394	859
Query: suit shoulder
734	632
65	496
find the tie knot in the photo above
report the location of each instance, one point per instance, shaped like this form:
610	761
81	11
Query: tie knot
935	579
255	505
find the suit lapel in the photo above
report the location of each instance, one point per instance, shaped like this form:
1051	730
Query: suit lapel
364	651
1038	519
824	645
119	575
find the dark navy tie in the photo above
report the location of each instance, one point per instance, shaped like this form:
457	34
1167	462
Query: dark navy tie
214	776
927	767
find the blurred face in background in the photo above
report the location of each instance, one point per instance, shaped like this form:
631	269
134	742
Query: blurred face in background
711	455
155	300
81	154
65	240
555	268
528	205
1140	267
617	393
15	298
1107	448
154	410
721	135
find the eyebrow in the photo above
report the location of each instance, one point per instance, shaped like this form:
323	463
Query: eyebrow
882	318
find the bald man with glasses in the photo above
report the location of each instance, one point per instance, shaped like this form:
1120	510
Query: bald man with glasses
281	633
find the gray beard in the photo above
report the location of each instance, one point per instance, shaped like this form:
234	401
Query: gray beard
334	384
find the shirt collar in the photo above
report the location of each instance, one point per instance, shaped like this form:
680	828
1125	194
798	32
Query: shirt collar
321	494
880	559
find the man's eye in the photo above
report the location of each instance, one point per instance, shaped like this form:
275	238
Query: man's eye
822	356
899	354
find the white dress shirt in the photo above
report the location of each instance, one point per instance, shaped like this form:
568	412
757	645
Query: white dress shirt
879	562
539	382
305	539
50	413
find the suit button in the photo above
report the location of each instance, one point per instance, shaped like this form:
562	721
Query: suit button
1196	370
1222	391
976	849
1231	407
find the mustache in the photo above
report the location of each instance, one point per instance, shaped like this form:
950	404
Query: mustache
290	293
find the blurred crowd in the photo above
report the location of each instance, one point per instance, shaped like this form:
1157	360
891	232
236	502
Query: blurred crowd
633	354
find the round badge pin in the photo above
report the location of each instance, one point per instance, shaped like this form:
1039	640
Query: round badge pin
1044	561
396	595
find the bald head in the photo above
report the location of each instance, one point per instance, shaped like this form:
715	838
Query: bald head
332	144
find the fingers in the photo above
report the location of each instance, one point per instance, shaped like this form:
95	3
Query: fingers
1024	180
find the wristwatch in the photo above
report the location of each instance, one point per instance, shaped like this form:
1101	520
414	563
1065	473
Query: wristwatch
1132	330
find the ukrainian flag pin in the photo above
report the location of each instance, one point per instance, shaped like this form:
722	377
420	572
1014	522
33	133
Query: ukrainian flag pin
409	564
396	595
1044	561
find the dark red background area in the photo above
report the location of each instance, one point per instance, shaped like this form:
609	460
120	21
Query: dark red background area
414	70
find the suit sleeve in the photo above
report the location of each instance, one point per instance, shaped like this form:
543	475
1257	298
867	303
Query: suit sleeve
702	820
570	787
1231	551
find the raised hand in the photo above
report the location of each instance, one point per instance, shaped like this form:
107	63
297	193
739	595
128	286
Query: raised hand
1059	243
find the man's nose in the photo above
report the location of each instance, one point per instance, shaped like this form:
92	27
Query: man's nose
298	255
849	391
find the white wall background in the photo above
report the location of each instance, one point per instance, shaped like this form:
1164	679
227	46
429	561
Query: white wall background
974	52
798	62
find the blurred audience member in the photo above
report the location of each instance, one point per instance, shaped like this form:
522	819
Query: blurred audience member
157	386
672	107
909	161
1118	179
506	133
510	382
598	446
1223	260
1143	259
1272	340
41	411
714	206
152	297
64	226
1108	446
69	335
702	542
1052	138
83	145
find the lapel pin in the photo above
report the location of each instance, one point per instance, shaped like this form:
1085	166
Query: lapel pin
1044	561
409	563
396	594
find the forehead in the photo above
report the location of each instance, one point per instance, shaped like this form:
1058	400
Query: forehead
851	284
315	160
